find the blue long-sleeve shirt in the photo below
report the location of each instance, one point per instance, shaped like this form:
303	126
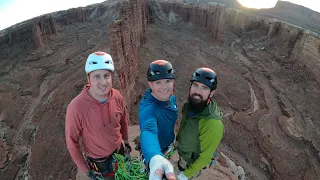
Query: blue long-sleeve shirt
157	120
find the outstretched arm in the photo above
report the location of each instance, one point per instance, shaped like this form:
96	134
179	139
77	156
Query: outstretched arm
149	133
150	146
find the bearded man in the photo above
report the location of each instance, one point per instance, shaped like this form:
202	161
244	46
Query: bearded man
201	127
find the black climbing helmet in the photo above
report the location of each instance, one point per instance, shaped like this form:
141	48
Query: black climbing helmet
160	69
206	76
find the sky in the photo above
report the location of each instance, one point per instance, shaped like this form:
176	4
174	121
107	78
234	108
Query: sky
15	11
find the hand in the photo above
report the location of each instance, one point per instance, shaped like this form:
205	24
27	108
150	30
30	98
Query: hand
160	166
127	148
181	176
94	175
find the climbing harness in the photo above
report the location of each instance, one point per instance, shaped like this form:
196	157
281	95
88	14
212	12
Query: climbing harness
107	166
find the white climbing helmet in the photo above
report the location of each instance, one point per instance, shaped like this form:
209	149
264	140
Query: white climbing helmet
99	60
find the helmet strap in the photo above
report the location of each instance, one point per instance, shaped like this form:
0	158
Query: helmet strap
211	96
208	101
89	81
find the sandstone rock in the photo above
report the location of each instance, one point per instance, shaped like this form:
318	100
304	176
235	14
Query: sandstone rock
238	171
125	41
172	17
3	154
290	128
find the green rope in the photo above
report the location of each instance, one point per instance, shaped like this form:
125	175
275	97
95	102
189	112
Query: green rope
133	168
129	169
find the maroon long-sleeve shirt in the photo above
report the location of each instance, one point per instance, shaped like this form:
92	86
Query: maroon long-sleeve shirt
101	126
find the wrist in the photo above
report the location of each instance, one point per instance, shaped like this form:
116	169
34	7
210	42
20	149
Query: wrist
154	159
182	176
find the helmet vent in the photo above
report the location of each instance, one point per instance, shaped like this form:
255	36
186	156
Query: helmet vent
94	62
160	69
170	71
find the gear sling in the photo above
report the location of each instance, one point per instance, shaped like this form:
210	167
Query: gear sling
107	166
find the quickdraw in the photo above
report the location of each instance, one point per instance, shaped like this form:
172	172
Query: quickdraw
170	151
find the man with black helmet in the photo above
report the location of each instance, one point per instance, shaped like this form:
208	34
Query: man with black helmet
158	114
201	128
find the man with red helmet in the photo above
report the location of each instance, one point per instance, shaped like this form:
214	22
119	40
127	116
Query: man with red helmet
158	114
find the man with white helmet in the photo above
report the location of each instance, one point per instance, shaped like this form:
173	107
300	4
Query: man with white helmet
98	115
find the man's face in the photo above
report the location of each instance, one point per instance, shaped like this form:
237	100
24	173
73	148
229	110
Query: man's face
199	94
162	89
101	83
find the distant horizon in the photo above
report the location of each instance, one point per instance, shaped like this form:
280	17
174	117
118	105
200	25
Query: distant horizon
310	4
14	8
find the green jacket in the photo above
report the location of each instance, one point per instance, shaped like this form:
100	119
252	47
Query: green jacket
199	137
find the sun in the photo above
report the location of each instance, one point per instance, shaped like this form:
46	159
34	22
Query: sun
258	4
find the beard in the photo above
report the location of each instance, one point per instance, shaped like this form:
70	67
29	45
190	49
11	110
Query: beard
199	104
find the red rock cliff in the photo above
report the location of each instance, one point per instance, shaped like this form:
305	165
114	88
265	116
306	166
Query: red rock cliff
126	35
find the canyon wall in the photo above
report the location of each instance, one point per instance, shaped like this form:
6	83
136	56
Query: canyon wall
126	35
302	44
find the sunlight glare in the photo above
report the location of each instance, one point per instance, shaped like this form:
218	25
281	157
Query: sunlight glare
258	4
